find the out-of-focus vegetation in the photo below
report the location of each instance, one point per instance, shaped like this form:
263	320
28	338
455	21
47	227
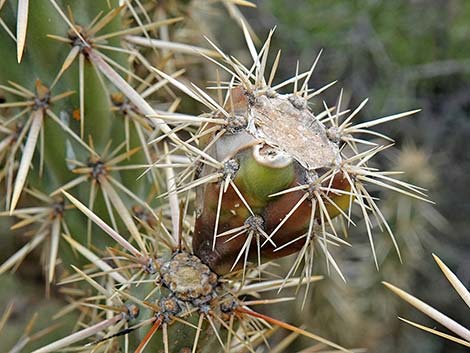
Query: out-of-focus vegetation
401	54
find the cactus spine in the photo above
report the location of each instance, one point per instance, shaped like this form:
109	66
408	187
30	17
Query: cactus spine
259	177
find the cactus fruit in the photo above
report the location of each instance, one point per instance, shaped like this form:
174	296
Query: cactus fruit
255	170
283	173
259	177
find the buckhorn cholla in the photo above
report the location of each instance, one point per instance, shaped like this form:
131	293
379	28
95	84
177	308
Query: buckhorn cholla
264	176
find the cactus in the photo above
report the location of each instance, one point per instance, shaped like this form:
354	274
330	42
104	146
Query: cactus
183	211
358	319
462	332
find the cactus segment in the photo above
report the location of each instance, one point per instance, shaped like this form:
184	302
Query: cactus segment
189	308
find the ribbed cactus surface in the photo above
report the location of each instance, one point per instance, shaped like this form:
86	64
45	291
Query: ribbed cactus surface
158	224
